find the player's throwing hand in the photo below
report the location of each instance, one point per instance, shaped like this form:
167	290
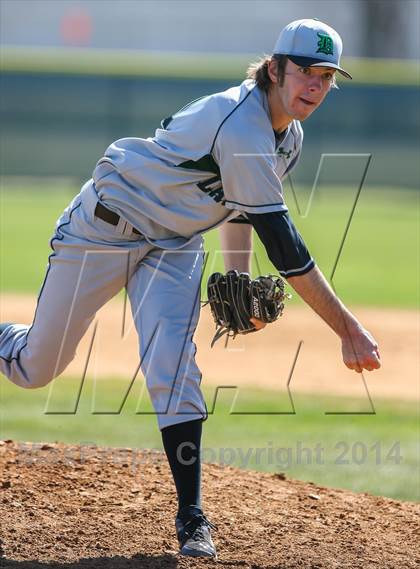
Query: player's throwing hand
360	351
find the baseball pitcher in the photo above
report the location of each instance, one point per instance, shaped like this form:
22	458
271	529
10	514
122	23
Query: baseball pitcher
138	223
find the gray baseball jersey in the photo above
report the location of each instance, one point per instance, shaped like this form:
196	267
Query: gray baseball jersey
215	158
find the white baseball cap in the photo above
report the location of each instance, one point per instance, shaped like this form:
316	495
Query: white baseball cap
311	43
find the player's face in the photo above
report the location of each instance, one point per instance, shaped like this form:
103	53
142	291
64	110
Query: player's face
303	90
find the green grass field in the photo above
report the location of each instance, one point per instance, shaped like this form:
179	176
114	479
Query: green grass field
378	265
370	453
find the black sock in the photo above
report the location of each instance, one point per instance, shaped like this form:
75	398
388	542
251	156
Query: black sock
182	441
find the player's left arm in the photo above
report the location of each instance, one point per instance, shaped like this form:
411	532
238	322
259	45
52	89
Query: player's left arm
236	242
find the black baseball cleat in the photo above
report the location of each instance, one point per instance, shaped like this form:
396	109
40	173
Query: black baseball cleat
193	531
4	326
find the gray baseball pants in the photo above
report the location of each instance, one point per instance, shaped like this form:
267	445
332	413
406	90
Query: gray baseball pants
91	262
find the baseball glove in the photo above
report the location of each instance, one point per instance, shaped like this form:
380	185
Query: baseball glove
235	298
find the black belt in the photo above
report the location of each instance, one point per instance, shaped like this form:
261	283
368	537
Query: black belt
109	216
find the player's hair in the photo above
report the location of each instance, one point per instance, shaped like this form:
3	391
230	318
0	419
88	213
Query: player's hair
258	71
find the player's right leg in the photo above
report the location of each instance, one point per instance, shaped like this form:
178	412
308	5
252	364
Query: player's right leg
90	263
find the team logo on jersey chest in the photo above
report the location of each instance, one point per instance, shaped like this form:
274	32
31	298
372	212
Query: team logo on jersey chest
213	188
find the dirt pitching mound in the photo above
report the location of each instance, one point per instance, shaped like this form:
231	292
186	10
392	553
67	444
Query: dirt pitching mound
90	508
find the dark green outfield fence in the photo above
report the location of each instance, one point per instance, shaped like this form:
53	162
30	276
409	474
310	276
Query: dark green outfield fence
57	121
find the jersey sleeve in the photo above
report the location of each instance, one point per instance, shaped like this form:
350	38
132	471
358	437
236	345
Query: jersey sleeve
285	246
247	163
240	219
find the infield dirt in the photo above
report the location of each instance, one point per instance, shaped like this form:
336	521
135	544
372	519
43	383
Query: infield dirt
264	359
114	508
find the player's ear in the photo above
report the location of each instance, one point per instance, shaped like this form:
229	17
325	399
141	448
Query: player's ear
272	70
